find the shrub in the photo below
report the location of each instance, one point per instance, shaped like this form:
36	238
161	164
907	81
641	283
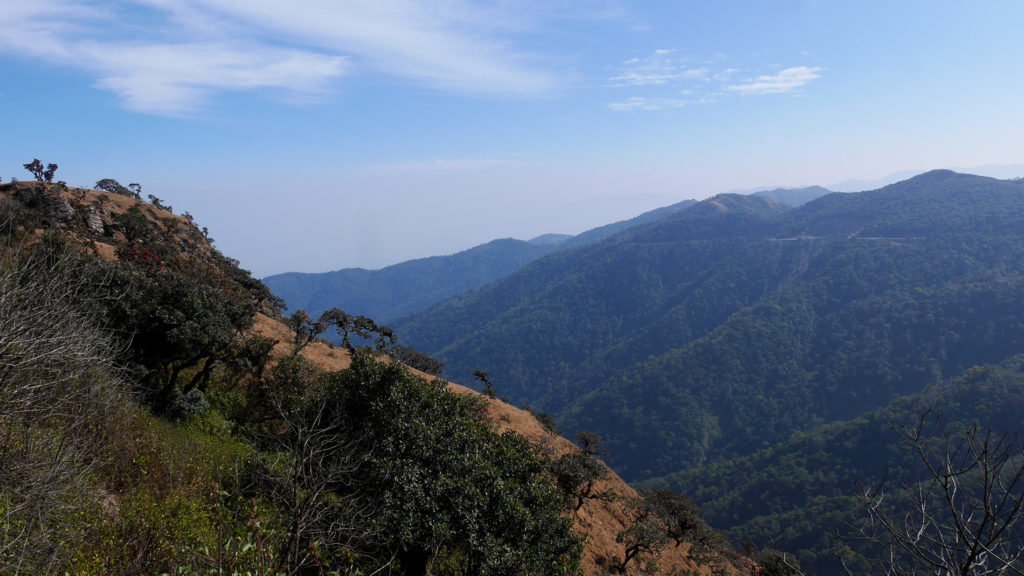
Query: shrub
60	402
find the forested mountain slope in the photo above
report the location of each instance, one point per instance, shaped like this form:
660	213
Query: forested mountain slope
724	328
799	493
565	307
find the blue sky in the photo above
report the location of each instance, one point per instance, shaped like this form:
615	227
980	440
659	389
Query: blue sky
311	135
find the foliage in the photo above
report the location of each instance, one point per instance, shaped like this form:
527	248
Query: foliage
548	422
488	387
305	330
158	203
311	458
174	322
794	496
643	536
776	563
657	517
683	520
364	469
577	474
134	225
415	359
41	174
174	501
114	187
444	485
60	398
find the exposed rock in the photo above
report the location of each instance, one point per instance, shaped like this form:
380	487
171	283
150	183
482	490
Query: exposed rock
93	220
56	210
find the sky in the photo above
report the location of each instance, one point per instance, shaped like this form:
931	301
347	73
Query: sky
314	135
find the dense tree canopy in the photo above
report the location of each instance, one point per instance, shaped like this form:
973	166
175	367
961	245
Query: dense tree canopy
726	327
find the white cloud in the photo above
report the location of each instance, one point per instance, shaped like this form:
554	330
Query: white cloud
438	42
168	56
785	81
657	69
647	104
176	79
666	81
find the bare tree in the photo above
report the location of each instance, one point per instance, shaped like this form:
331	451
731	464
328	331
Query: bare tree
964	516
59	394
311	474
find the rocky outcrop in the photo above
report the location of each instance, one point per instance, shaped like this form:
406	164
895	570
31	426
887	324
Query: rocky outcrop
55	208
93	219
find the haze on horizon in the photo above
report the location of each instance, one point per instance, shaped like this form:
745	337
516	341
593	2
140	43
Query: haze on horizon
314	135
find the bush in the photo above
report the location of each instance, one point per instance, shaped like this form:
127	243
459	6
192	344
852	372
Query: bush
444	489
60	402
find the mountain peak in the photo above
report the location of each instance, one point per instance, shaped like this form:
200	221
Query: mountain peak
738	202
939	178
793	196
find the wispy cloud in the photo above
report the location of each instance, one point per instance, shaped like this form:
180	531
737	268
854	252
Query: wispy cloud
178	78
788	80
670	83
438	41
169	56
657	69
649	104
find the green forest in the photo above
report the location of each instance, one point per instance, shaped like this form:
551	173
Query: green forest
803	492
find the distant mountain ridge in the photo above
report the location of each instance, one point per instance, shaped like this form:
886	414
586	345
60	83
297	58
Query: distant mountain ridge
408	287
724	328
793	196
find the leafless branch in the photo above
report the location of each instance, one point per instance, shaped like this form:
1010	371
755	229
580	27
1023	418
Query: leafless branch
964	514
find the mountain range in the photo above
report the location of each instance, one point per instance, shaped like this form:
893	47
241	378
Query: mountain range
723	328
751	350
415	285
